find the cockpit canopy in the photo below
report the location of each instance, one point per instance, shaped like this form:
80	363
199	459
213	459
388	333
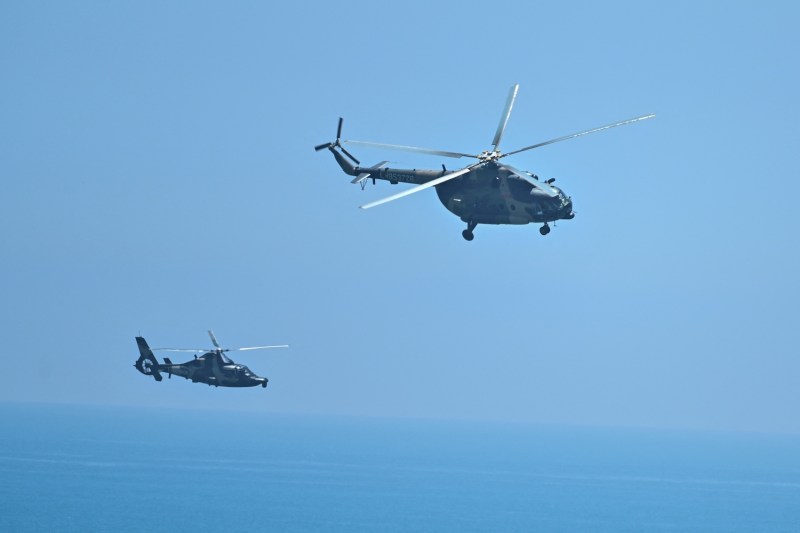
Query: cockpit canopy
242	369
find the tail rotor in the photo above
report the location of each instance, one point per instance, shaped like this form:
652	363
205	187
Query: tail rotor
147	363
337	144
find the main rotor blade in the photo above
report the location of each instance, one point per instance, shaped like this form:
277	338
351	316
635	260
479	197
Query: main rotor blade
261	347
214	339
512	95
418	188
339	129
601	128
182	350
541	185
416	149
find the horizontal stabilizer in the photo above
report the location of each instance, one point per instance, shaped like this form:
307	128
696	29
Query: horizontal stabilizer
364	175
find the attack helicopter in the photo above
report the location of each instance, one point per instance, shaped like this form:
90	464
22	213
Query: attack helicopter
212	367
486	192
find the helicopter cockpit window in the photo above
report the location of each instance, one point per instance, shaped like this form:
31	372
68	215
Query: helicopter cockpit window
520	190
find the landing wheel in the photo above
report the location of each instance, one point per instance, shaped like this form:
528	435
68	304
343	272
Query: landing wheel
467	233
544	230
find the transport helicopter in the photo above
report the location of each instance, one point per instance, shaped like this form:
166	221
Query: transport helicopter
486	192
212	367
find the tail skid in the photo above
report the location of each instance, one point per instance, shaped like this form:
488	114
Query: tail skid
147	363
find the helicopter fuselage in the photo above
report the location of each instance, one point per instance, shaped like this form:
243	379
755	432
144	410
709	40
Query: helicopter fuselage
210	368
487	194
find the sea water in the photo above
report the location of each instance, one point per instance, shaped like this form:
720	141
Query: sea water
78	468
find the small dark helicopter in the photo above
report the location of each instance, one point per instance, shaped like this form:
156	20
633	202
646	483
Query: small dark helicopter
486	192
213	367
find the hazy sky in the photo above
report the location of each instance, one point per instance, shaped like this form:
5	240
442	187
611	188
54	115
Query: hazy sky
159	179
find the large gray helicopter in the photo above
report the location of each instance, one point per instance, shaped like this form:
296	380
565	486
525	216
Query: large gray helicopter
212	367
486	192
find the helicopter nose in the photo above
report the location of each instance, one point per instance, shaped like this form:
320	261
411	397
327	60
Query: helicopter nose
567	210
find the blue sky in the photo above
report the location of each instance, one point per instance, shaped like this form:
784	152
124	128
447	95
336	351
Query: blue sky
160	179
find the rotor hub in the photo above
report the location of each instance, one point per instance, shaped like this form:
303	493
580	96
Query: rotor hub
487	156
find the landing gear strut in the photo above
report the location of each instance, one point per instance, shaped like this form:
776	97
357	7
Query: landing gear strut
544	230
467	233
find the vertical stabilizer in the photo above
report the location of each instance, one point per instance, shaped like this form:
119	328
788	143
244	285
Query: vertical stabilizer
147	363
